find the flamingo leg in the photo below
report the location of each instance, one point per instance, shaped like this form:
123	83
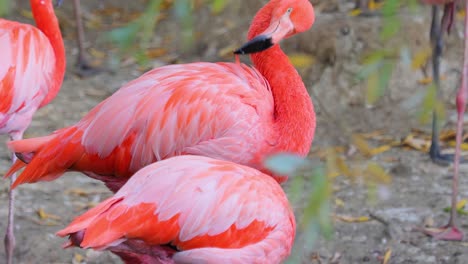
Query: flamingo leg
451	230
437	45
83	67
9	239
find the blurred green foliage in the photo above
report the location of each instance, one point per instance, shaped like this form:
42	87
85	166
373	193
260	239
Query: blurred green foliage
309	193
378	65
4	7
141	30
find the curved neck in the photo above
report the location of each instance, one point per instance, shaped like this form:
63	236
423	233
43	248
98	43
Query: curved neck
294	111
46	21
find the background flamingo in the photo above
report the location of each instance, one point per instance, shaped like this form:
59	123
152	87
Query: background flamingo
227	111
438	26
31	73
83	67
205	211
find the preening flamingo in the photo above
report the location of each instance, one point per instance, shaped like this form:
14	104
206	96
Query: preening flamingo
191	209
31	73
451	230
227	111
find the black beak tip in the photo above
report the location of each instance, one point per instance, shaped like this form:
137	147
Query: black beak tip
239	52
257	44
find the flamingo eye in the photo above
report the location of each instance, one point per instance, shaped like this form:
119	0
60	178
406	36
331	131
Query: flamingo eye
289	10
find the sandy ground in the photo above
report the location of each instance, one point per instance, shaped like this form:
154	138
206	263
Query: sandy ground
419	190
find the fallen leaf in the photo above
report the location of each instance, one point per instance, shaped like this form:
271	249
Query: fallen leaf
376	173
339	202
301	60
387	256
26	13
416	143
43	215
355	12
352	219
153	53
372	5
425	80
420	59
227	52
78	258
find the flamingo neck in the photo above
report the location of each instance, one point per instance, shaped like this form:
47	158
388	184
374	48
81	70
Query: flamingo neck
46	21
294	112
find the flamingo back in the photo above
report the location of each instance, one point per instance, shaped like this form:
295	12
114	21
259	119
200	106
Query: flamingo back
26	70
219	110
213	211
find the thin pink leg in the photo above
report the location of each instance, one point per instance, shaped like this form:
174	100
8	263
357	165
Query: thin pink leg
451	230
461	105
9	235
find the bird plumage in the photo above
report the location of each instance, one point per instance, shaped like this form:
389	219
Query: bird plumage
226	111
212	211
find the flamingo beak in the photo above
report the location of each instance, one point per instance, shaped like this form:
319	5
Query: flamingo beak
278	30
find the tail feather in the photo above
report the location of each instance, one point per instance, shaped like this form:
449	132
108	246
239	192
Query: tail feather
18	165
82	222
52	155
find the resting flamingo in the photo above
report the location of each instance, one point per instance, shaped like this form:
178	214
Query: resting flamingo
227	111
191	209
31	74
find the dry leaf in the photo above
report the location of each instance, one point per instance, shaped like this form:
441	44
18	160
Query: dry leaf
461	204
372	5
301	60
153	53
387	256
377	174
339	202
420	59
416	143
43	215
352	219
26	13
227	52
355	12
78	258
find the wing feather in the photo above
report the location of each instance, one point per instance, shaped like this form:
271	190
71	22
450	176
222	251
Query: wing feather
192	202
28	51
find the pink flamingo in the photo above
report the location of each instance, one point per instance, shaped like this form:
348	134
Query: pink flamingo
31	73
451	230
227	111
191	209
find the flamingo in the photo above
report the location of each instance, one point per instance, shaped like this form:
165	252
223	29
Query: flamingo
451	230
191	209
227	111
31	73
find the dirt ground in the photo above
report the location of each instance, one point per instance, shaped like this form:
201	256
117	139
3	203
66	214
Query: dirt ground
419	190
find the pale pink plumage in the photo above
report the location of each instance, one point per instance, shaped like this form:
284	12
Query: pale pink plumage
31	73
212	211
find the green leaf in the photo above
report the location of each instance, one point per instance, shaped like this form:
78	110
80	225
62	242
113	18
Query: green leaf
4	7
284	163
295	190
217	6
391	23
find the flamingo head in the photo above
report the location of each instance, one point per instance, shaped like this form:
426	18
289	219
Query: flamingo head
284	19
